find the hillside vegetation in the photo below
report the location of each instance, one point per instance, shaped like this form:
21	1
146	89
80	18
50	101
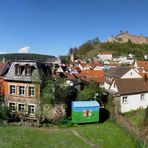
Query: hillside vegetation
90	49
25	56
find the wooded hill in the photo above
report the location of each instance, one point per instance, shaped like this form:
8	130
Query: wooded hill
26	56
90	49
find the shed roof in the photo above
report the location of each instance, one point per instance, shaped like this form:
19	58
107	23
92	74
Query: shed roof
85	104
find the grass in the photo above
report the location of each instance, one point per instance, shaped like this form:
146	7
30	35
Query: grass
106	135
136	117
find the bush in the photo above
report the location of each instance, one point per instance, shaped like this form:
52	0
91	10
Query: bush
146	117
5	113
65	122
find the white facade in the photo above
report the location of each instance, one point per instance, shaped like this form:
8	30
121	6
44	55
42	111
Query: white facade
87	67
131	74
105	56
81	67
133	102
106	85
99	68
113	87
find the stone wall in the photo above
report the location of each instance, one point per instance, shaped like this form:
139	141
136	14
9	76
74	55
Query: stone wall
125	37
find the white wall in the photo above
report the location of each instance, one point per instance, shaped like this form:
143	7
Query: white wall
106	85
106	57
87	67
131	74
134	102
81	67
113	87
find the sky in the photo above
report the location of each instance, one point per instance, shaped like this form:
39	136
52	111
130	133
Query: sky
52	27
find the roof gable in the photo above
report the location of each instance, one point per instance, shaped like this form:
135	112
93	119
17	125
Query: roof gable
3	68
117	72
37	73
131	74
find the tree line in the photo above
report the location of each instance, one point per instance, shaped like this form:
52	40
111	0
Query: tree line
118	49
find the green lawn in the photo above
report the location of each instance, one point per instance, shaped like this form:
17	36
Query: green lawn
106	135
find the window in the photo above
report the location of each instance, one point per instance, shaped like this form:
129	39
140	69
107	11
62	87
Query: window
31	109
124	100
28	70
21	90
31	91
18	70
21	107
12	106
12	89
114	85
142	97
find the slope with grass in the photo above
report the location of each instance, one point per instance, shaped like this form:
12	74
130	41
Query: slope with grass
118	49
136	117
106	135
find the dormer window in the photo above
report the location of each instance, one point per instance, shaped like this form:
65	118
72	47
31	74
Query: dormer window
27	70
18	70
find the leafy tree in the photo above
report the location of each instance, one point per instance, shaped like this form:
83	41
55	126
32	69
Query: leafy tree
72	50
70	95
55	92
84	48
96	41
91	92
24	56
65	59
5	113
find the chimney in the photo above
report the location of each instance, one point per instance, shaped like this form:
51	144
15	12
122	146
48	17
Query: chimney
145	77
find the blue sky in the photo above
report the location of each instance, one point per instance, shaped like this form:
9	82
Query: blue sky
53	26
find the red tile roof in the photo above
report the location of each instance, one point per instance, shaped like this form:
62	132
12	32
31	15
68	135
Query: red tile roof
142	64
88	76
98	73
91	75
99	80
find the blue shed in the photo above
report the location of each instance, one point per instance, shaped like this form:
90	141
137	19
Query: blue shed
85	111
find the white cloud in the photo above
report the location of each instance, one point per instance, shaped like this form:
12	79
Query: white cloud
2	52
24	50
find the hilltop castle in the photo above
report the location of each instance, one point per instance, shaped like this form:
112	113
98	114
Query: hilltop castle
124	37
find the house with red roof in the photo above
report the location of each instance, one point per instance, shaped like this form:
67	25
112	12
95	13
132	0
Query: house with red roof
127	87
90	66
85	77
141	67
132	94
103	56
120	73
